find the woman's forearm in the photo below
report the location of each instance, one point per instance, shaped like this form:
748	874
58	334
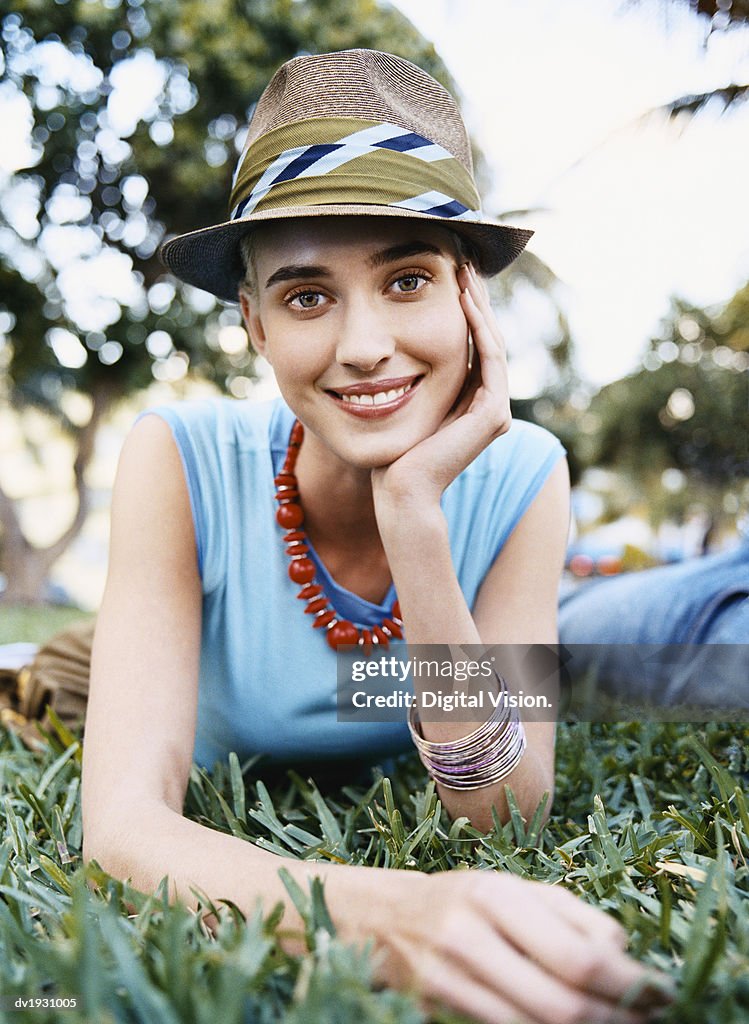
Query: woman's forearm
158	841
446	937
434	611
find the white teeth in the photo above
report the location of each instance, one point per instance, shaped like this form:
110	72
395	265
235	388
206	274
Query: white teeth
379	398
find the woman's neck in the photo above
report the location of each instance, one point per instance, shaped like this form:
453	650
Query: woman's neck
339	519
336	498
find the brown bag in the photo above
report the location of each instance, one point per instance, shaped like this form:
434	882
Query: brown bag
57	678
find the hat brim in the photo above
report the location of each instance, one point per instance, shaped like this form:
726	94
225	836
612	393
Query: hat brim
210	258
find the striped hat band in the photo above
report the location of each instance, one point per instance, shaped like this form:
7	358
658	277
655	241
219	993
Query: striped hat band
355	133
332	160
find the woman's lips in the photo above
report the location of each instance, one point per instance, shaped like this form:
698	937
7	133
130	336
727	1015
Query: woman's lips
375	399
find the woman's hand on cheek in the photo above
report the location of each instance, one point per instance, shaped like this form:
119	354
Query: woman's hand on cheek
480	414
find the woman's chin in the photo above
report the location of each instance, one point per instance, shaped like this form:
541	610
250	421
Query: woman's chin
366	446
374	453
372	459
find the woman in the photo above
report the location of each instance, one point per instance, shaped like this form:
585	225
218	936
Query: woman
363	244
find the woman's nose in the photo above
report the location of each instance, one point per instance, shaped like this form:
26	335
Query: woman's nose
364	340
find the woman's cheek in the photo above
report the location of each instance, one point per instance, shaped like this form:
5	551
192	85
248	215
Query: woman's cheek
445	335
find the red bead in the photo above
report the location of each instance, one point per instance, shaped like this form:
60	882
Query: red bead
302	570
392	628
316	606
285	480
297	434
342	634
323	620
311	590
297	549
294	535
288	495
381	635
396	611
366	641
290	461
290	515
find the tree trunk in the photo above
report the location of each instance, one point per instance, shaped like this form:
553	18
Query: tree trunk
27	567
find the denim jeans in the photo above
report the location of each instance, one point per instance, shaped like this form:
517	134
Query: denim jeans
648	630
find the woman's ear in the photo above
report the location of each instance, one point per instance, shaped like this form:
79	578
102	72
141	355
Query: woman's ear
252	322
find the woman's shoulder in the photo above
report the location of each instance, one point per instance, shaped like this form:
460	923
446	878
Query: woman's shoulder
522	450
530	435
218	420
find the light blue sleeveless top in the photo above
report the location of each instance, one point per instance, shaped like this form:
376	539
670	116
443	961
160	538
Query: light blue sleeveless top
267	679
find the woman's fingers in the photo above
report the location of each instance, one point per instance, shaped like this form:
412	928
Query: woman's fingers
494	948
492	362
600	927
479	293
441	983
600	968
541	996
583	917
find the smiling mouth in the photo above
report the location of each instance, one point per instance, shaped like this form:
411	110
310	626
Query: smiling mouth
370	399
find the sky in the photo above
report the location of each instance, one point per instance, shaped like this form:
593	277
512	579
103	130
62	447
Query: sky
633	210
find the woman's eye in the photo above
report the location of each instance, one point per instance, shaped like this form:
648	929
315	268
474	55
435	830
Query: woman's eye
305	300
410	283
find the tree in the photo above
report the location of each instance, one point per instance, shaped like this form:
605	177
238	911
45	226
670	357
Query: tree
85	303
688	407
718	16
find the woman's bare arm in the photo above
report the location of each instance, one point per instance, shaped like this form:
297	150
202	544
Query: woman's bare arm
517	602
142	703
140	723
516	606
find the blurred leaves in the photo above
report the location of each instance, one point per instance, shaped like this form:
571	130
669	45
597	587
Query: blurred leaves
724	13
688	407
718	16
136	112
111	168
686	410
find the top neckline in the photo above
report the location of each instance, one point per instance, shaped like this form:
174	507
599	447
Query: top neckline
346	604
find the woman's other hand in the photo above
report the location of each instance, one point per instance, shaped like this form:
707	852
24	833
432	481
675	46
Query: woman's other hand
509	951
480	414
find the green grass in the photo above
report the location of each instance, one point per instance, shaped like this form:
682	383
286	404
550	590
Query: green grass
631	798
35	624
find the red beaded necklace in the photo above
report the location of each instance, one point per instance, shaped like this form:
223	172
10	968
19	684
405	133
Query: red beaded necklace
290	516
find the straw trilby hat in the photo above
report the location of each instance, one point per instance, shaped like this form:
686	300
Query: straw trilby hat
355	132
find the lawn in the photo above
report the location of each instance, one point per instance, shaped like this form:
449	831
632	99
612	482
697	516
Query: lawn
650	822
34	625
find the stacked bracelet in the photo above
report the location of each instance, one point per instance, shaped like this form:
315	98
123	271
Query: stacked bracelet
483	757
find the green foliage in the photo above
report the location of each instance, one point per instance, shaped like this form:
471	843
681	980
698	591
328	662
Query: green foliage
650	823
104	182
723	15
28	624
686	408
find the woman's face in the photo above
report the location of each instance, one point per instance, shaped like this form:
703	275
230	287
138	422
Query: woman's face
361	322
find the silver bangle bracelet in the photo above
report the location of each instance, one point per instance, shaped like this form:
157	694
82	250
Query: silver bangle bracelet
482	758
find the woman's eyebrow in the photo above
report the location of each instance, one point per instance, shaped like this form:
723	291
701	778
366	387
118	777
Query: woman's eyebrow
295	270
377	259
399	252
